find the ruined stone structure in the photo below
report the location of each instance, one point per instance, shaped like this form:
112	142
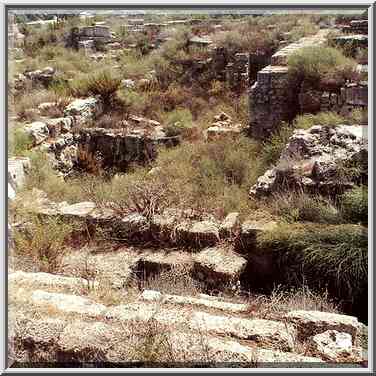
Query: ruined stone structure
356	26
273	101
15	38
270	97
117	150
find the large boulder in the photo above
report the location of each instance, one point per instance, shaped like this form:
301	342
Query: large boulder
313	159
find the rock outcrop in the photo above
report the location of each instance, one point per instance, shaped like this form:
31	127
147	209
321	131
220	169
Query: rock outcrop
313	159
61	328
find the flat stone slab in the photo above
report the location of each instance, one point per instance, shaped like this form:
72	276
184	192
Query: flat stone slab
203	300
265	332
65	303
218	266
113	268
47	280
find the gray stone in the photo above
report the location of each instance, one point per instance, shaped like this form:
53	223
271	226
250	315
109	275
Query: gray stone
38	131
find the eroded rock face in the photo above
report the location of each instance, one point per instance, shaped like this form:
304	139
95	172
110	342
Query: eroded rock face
44	76
218	267
84	109
263	331
313	159
116	150
46	280
332	345
38	131
310	323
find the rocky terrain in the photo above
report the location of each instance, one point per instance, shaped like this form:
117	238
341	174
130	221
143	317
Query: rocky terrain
182	198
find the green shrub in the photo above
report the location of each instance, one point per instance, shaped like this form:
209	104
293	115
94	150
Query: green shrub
20	143
272	149
354	205
44	177
333	256
103	83
314	64
302	207
43	241
329	119
178	122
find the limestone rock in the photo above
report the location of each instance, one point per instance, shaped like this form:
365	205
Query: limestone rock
38	131
250	229
84	109
59	125
229	225
332	345
203	300
18	168
67	303
86	341
46	280
218	266
202	233
312	160
310	323
265	332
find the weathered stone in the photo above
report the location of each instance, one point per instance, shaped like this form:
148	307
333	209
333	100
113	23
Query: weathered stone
47	106
108	268
271	98
265	332
84	109
229	225
59	125
219	132
332	345
128	83
203	233
86	341
134	224
218	266
251	229
312	159
203	300
67	303
17	170
310	323
47	280
38	131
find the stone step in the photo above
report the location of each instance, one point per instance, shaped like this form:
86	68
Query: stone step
100	342
59	283
218	267
269	333
202	300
